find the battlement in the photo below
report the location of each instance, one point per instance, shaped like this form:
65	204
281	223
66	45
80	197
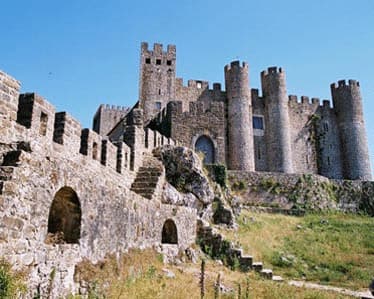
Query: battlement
344	83
158	50
235	65
305	100
271	70
108	107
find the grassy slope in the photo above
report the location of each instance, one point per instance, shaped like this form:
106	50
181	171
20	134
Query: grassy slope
332	249
140	275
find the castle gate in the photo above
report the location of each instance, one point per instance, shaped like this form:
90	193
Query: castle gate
169	233
65	215
205	145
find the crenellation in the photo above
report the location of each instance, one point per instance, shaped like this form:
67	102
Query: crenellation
108	154
91	144
326	103
293	99
67	131
305	100
316	101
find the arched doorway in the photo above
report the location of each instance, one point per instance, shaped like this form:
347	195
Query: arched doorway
65	214
205	145
169	233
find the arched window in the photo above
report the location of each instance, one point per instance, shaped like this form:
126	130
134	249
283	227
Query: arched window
64	221
169	233
205	145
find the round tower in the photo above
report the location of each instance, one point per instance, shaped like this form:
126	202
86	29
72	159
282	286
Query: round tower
239	121
277	121
348	108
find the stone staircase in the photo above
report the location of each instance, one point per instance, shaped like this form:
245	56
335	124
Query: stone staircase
10	155
148	176
214	244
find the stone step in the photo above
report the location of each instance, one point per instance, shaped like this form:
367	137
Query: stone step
267	273
245	262
142	189
257	266
148	173
146	179
151	184
277	278
6	173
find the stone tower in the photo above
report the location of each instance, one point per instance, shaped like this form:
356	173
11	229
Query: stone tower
348	108
239	121
157	78
277	122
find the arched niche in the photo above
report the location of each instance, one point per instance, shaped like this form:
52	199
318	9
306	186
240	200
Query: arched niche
64	220
205	145
169	233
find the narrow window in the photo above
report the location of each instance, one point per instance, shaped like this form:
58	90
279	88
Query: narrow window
94	151
258	153
326	127
328	161
158	105
198	85
258	123
148	60
168	62
158	61
159	92
43	124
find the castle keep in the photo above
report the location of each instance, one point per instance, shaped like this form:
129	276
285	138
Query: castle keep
238	127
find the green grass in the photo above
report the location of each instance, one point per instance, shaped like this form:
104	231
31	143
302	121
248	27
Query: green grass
334	249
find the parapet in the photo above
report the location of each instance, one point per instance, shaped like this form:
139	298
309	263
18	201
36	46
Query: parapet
9	91
236	65
108	107
271	70
36	114
344	84
67	131
158	50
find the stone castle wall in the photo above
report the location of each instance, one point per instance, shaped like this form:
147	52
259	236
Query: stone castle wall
44	157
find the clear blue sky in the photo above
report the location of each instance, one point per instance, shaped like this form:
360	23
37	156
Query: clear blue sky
80	53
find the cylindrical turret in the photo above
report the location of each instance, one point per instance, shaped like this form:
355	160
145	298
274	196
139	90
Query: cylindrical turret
239	122
348	107
277	121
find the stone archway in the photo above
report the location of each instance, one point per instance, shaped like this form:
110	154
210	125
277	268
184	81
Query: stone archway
169	233
64	221
205	145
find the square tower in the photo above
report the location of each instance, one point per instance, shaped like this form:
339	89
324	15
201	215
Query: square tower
157	78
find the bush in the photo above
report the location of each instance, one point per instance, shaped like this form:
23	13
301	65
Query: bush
11	283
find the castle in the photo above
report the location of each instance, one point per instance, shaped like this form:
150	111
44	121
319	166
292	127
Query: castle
243	130
70	194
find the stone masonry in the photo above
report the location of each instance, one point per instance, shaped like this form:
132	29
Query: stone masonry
244	130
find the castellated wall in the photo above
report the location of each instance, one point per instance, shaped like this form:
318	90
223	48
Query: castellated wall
203	118
47	161
106	117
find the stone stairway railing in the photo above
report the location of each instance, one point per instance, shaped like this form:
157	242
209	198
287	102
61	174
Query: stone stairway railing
148	177
214	244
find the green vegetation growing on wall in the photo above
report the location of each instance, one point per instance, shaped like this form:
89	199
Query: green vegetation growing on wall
11	283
